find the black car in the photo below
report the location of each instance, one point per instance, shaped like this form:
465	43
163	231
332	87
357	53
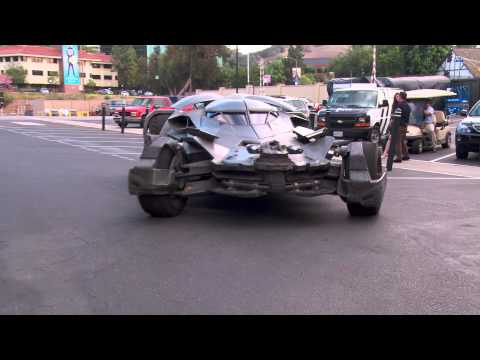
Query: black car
467	133
244	147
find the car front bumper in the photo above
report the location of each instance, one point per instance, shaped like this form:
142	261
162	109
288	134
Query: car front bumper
469	141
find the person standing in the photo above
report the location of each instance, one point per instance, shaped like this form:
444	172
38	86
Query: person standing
401	144
389	141
429	123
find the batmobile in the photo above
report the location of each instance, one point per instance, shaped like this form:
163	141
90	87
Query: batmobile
242	146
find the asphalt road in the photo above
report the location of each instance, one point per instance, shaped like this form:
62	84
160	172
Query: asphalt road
73	241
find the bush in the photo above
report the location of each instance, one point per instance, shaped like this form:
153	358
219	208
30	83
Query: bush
307	79
8	98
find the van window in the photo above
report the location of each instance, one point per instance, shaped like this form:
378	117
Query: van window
354	99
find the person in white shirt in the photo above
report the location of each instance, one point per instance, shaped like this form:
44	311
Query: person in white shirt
429	122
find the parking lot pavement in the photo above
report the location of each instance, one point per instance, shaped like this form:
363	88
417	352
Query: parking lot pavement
75	242
126	146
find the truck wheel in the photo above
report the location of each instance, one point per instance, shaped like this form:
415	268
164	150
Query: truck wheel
373	155
461	152
374	135
358	210
448	141
417	146
164	205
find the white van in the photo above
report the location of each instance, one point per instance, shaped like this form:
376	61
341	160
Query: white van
358	111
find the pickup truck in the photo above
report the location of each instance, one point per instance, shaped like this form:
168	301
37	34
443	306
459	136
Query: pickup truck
135	112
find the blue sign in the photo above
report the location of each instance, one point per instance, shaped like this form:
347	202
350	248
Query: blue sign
71	73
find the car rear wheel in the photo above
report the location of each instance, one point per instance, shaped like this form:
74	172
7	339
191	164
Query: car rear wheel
165	205
417	146
461	152
448	141
374	135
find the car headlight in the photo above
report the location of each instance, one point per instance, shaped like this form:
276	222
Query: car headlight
463	129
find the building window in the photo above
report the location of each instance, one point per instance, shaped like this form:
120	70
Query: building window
96	66
107	77
2	71
37	59
21	58
96	77
53	73
37	72
116	77
1	59
55	61
107	66
15	58
7	58
82	75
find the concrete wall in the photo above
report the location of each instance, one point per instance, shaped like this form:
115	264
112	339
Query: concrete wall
40	107
315	93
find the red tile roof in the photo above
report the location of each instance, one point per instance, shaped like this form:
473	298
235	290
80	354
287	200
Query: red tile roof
37	50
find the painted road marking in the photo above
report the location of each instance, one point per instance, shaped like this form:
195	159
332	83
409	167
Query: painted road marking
26	123
443	157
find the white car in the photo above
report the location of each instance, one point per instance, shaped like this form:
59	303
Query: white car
148	93
44	91
124	93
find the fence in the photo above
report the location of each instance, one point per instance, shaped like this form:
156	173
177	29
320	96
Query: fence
316	92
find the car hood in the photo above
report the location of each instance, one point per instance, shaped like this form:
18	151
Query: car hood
470	120
345	111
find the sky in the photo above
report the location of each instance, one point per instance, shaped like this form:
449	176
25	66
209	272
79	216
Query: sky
246	49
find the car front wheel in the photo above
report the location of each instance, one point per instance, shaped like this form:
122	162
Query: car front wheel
461	152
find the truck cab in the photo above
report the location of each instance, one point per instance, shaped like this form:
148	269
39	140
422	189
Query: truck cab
358	111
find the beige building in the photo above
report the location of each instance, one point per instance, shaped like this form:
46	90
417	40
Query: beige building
43	65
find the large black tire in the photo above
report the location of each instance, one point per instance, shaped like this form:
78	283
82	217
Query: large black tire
359	210
448	141
373	155
374	135
461	152
417	146
164	205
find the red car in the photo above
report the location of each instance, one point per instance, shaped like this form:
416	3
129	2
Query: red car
136	111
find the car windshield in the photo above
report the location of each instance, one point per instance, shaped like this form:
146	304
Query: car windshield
475	110
354	99
298	104
140	102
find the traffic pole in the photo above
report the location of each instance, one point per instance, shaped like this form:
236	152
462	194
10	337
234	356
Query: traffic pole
104	111
123	120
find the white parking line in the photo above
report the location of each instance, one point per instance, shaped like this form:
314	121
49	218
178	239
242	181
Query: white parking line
443	157
26	123
430	178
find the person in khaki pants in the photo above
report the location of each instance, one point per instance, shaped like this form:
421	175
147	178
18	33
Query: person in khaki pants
401	145
429	123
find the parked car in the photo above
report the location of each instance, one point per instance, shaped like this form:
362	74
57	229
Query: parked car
247	148
105	91
44	90
111	106
148	93
467	133
417	139
136	111
124	93
133	92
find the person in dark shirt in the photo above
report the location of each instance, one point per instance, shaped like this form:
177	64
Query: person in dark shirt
401	145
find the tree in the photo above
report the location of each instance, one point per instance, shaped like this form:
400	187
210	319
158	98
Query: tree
90	83
307	79
89	48
124	60
141	78
293	59
277	70
392	60
18	74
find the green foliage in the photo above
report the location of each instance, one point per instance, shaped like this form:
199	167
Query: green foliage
7	98
293	59
90	83
277	69
17	74
392	60
124	60
307	79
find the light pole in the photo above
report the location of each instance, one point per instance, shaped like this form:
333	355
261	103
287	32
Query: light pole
236	72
